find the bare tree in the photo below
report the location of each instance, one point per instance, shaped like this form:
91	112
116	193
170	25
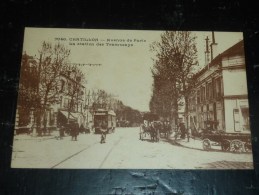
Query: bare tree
75	92
102	99
52	60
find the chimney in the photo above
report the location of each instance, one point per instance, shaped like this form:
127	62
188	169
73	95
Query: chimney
207	52
213	47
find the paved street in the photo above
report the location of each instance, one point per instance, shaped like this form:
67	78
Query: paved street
122	150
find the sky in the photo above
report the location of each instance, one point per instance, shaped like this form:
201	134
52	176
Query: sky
123	71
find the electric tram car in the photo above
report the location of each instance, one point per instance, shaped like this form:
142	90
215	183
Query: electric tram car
104	120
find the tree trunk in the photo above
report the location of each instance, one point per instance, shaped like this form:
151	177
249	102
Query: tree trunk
186	111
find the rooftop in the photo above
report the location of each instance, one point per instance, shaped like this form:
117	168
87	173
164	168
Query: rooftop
237	49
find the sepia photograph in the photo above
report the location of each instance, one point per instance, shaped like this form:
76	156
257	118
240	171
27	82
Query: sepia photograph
132	99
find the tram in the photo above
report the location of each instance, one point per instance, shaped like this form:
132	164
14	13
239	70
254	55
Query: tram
104	119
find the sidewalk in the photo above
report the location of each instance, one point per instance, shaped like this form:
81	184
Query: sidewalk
47	151
53	135
194	143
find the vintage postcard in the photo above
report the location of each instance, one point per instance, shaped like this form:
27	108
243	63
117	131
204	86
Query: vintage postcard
132	99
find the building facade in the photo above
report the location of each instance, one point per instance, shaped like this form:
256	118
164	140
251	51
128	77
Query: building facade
71	101
219	100
66	100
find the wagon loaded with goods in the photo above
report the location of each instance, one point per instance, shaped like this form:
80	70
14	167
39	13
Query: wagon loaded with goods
233	142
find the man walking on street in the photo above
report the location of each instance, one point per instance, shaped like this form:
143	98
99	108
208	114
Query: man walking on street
182	130
188	132
74	130
103	132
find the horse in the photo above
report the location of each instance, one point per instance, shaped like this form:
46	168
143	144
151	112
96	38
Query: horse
151	130
154	131
144	130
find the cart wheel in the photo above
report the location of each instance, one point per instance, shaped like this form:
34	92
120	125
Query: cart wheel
248	147
206	144
237	146
225	145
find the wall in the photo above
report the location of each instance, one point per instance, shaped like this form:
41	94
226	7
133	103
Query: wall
234	82
234	76
233	109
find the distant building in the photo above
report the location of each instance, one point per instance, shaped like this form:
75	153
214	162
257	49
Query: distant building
220	97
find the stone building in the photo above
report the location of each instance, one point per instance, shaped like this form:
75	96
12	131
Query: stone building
67	100
219	100
71	101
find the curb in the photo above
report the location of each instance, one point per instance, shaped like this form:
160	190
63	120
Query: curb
178	142
37	138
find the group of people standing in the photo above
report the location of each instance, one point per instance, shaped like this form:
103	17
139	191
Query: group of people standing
183	131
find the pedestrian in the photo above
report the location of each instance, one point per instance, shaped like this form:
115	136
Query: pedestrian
167	129
82	129
113	128
103	136
182	130
103	132
188	132
176	132
74	129
61	132
71	129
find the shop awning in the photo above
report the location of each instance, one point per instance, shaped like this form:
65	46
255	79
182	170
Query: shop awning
73	115
111	112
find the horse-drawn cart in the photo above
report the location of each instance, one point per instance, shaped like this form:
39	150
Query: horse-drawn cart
233	142
149	129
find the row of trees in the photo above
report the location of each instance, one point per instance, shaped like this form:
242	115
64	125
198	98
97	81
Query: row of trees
173	69
41	85
101	99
